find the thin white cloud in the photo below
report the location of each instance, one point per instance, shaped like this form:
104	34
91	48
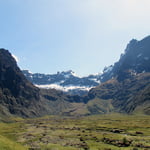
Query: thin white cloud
123	13
64	88
97	16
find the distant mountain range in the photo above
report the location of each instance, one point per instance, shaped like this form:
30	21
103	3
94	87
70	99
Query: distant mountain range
123	87
134	60
66	81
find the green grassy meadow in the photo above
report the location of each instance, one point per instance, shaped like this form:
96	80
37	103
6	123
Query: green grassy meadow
97	132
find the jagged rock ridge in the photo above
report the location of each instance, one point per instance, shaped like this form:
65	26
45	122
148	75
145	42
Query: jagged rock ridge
66	81
127	88
18	96
136	59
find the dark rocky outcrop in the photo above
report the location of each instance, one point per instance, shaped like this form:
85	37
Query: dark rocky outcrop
127	83
136	59
17	95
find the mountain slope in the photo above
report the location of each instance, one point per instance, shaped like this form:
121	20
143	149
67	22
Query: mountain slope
125	86
17	95
20	97
127	95
136	59
127	83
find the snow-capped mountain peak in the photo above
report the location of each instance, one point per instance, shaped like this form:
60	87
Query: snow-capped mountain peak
134	60
66	81
68	73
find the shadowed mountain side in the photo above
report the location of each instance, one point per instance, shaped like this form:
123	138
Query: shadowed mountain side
135	59
17	95
61	104
127	95
20	97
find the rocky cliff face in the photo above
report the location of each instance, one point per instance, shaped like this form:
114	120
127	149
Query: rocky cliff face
136	59
128	95
12	78
127	83
20	97
17	95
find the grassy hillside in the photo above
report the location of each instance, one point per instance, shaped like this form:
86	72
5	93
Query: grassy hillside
98	132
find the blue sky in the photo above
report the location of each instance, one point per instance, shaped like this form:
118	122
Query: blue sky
82	35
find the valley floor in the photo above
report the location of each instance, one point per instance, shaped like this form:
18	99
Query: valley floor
98	132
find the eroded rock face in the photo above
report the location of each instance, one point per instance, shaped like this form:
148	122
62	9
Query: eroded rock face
126	95
20	97
13	79
136	59
127	83
17	94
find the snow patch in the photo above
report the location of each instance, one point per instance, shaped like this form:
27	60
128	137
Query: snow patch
31	76
95	80
68	73
30	72
133	73
108	69
139	55
15	57
146	58
74	74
